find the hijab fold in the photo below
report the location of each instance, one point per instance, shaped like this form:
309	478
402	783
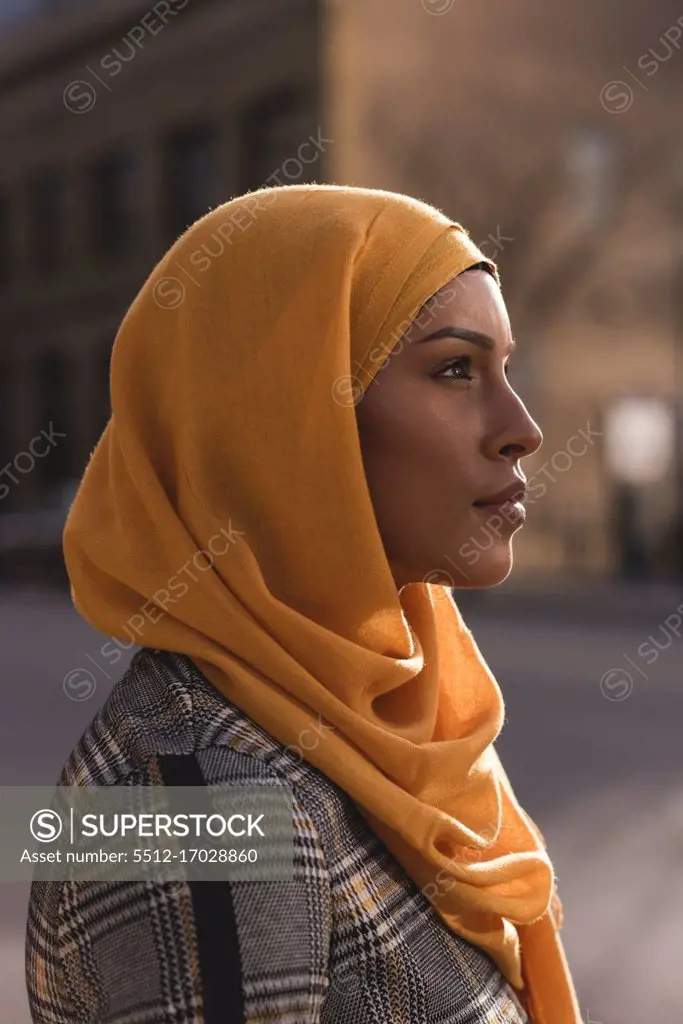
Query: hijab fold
234	380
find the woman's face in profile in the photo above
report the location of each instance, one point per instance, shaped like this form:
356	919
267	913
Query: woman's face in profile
441	430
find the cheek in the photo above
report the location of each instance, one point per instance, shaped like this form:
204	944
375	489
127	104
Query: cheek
418	454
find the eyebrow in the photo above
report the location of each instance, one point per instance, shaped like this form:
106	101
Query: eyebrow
484	341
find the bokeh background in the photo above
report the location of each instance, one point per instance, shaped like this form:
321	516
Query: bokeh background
552	132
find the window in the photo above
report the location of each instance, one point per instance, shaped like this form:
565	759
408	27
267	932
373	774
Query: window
5	241
102	357
271	130
591	166
111	219
189	177
46	221
13	12
55	401
6	455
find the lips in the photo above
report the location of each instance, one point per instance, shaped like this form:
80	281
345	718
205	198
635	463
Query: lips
514	492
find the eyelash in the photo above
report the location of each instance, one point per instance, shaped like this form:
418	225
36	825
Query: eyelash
460	361
466	361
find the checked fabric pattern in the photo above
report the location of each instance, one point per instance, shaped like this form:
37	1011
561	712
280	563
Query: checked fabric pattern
351	940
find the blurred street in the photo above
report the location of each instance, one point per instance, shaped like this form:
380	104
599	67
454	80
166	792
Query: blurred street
598	767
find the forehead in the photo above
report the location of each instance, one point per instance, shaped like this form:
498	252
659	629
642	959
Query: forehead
472	299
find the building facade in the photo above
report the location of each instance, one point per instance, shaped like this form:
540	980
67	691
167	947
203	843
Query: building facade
550	132
122	123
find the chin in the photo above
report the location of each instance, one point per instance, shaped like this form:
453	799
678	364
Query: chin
463	570
488	569
481	581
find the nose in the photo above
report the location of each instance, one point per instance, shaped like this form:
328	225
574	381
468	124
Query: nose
515	433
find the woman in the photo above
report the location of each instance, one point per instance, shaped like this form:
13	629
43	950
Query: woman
313	439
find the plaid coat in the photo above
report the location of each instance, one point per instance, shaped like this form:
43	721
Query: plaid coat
351	940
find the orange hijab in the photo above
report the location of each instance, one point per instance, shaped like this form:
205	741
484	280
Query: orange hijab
225	514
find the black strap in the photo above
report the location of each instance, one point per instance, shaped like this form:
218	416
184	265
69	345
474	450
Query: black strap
214	914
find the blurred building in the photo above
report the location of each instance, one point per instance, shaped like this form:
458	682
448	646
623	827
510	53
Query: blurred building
551	134
122	122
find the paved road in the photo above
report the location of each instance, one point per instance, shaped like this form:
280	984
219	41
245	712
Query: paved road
604	780
600	775
42	640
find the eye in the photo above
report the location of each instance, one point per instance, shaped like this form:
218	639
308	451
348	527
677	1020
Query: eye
461	367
